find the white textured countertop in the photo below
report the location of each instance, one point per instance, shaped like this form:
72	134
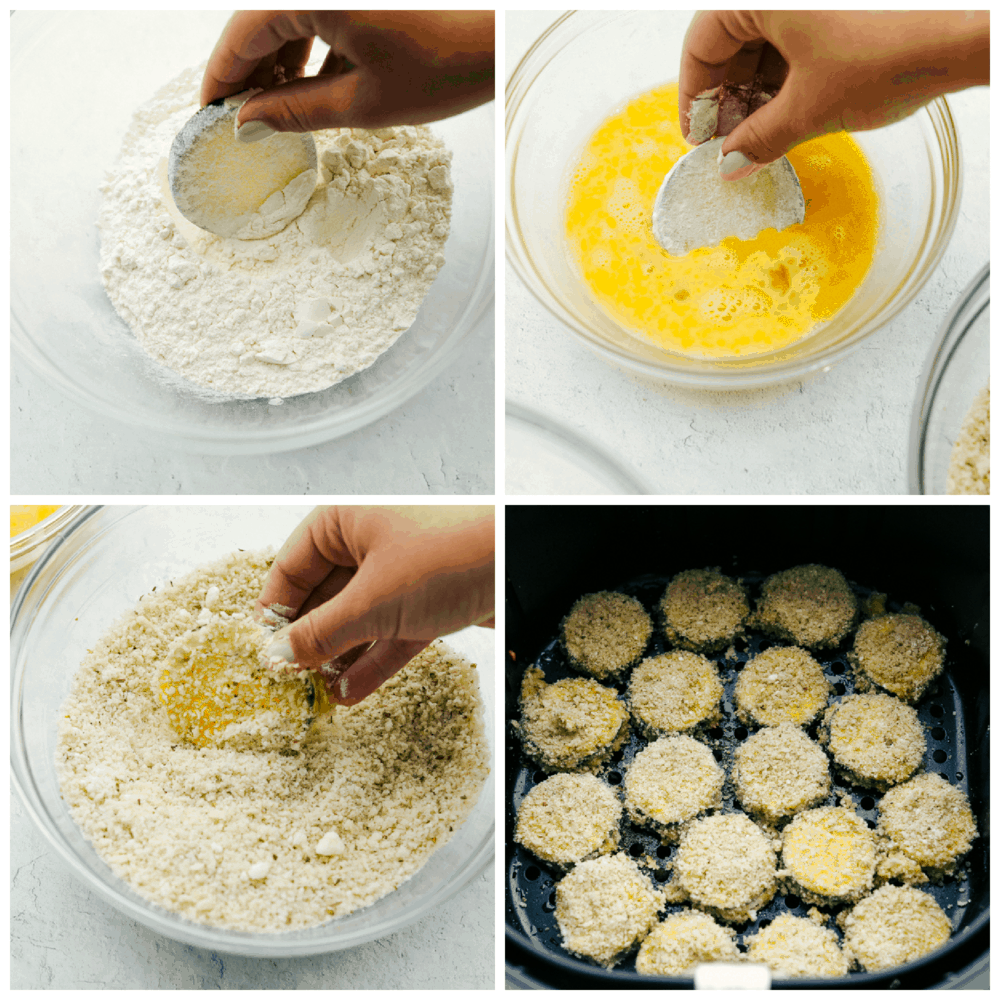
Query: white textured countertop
841	431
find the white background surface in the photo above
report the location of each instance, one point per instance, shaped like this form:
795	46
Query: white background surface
441	441
843	431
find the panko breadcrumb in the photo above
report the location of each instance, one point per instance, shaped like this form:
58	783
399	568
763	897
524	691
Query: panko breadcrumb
681	941
726	865
605	633
674	693
781	684
810	606
900	653
569	818
703	610
573	725
969	466
671	782
894	925
929	820
829	855
876	741
605	907
794	947
779	771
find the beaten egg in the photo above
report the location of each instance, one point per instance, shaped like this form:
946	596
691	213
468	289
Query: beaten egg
742	297
27	515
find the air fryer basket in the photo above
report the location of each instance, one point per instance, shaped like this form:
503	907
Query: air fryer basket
935	557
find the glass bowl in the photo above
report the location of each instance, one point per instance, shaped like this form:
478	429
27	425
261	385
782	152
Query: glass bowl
957	368
26	547
91	575
63	325
544	457
590	62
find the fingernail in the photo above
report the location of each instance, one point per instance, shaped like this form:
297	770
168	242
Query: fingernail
253	132
280	650
734	162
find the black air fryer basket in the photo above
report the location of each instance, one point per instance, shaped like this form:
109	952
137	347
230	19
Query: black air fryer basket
935	557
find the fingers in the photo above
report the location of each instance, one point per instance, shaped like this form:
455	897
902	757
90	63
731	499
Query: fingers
361	612
712	40
373	668
767	134
364	98
318	102
301	565
249	39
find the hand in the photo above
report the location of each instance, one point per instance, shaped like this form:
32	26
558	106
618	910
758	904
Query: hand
845	70
397	577
383	68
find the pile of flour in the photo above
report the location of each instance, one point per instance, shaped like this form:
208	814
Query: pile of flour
300	310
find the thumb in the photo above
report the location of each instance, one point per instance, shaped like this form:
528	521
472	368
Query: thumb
764	136
318	102
372	669
357	615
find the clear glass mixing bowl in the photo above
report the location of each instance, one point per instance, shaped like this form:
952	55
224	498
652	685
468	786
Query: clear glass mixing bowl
957	368
587	64
27	546
66	129
544	456
90	576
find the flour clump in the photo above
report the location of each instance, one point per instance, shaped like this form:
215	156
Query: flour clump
276	315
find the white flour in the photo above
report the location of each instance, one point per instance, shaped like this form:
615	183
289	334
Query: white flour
295	312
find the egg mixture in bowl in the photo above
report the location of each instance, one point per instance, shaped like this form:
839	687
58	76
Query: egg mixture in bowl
880	208
743	296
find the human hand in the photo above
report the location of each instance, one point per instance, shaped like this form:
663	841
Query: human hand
850	71
369	587
384	68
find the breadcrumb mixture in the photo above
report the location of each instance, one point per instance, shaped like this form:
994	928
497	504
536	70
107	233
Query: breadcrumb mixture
703	610
875	740
779	771
681	941
894	925
605	907
575	724
605	633
811	606
969	466
264	840
670	782
674	693
726	865
829	855
795	947
781	684
569	818
929	820
900	653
